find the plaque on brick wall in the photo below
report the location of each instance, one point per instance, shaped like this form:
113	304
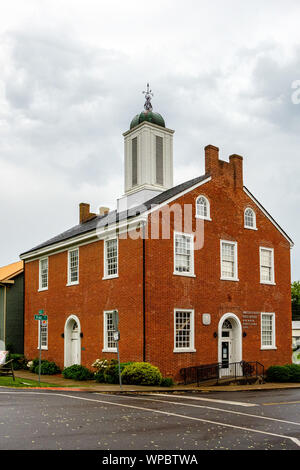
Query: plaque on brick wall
206	319
250	319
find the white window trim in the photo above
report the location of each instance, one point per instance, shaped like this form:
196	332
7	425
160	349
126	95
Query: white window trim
254	220
272	282
192	337
74	283
192	273
208	209
44	348
40	274
273	345
235	278
105	347
111	276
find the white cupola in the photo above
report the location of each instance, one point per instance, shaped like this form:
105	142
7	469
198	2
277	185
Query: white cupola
148	148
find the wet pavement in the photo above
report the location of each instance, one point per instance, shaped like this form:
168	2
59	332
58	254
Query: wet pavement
44	420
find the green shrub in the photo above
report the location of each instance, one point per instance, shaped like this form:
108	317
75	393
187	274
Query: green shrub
47	368
141	373
294	370
77	372
111	373
167	382
278	374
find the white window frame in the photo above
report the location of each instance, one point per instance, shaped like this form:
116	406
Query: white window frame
192	331
105	336
273	345
191	273
44	348
198	216
69	282
40	274
235	277
272	281
254	219
105	267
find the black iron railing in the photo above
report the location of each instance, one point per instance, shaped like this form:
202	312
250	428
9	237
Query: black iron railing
222	370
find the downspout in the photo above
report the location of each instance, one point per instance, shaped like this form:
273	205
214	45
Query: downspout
144	293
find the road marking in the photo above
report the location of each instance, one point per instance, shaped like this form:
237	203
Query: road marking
192	418
214	400
206	407
283	403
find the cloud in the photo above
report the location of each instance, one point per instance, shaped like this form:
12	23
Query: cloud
69	88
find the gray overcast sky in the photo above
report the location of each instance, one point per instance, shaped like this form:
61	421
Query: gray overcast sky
71	77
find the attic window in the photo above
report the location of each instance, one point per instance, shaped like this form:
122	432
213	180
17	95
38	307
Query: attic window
249	218
202	208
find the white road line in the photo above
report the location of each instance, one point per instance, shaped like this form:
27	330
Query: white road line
214	400
205	407
192	418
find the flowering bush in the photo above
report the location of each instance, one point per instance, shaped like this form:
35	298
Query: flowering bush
100	364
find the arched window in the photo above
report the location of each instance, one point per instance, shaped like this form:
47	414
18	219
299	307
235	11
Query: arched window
202	208
249	218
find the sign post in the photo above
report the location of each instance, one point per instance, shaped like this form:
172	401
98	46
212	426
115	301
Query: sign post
116	336
40	317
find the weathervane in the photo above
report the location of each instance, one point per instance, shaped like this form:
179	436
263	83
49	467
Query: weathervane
148	94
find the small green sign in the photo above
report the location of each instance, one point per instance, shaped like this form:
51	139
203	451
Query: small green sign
40	317
41	312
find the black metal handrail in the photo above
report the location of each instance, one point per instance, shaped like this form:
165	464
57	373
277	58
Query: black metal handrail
220	370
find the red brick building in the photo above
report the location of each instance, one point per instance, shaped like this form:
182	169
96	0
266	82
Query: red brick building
199	273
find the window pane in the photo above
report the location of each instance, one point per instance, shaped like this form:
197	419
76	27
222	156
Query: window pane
182	253
109	331
266	265
228	260
111	257
202	207
183	330
267	330
73	266
249	218
44	273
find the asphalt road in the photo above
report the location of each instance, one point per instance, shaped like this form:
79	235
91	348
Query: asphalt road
45	420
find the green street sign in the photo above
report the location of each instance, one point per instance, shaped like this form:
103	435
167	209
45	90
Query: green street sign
40	317
41	312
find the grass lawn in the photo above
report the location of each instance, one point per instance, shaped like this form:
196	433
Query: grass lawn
9	382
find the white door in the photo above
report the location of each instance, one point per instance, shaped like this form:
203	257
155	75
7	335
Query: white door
75	344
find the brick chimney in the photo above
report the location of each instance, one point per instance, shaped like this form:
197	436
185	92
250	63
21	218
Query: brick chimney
232	170
211	159
237	163
103	210
84	213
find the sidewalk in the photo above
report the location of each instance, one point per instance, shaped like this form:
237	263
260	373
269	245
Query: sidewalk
90	386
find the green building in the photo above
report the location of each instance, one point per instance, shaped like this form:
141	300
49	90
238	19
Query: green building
12	307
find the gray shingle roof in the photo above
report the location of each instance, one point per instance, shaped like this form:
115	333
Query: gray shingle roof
113	216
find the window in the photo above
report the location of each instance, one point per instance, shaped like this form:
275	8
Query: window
249	218
268	331
183	254
43	275
184	331
43	334
111	258
202	208
109	344
159	161
267	266
73	266
229	269
134	161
